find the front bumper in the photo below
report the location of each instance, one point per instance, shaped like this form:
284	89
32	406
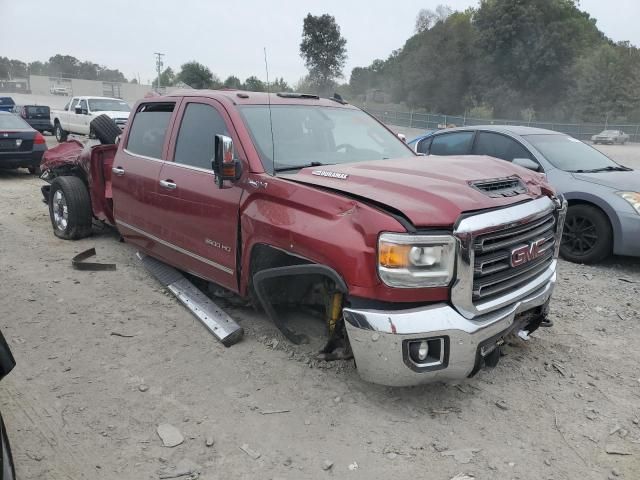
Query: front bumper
627	243
379	338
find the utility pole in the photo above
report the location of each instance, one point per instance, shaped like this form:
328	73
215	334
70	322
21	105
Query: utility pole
159	66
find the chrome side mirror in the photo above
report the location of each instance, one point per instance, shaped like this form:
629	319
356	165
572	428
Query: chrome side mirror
527	163
224	163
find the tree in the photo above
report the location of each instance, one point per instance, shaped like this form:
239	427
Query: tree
254	84
233	82
167	78
279	85
428	18
197	75
323	50
63	66
133	80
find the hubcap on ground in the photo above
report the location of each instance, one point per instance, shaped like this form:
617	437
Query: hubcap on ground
60	210
579	235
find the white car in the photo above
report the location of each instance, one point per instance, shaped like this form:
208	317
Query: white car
77	114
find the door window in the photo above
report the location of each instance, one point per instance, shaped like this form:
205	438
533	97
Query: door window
195	143
423	145
74	102
458	143
499	146
149	128
83	105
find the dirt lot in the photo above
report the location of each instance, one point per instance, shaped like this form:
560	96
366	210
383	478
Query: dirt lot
105	357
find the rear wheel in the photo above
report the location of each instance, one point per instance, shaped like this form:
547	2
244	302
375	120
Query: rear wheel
587	235
60	134
70	208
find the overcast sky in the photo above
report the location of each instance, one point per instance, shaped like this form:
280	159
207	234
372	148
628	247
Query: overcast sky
229	36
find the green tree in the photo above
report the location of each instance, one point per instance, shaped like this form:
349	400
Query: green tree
254	84
63	66
167	78
196	75
38	68
280	85
608	83
233	82
428	18
323	50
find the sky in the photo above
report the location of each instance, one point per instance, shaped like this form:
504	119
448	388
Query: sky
229	36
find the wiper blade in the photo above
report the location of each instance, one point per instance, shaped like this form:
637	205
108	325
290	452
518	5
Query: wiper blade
618	168
298	167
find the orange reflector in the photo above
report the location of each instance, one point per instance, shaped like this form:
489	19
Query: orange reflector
392	255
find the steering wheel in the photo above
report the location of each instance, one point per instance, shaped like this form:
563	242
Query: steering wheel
347	147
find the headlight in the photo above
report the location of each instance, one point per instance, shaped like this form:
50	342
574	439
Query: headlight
633	198
410	261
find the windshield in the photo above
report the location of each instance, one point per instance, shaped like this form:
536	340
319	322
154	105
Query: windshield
107	105
568	153
312	135
609	132
10	122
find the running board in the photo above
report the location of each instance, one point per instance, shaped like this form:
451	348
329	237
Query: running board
213	317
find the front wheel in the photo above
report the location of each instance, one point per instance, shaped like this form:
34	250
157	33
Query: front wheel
60	134
587	235
70	208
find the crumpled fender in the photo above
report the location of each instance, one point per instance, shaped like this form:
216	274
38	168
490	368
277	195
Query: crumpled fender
64	154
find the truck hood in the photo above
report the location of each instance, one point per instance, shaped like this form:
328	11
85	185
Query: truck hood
624	181
113	114
430	191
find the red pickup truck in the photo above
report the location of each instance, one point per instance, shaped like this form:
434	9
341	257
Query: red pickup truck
421	266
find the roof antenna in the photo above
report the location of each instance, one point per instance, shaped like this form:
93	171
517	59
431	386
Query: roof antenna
273	143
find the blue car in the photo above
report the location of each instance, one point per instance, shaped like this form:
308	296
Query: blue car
604	197
6	104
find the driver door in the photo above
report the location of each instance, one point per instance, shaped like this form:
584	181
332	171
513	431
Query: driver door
200	220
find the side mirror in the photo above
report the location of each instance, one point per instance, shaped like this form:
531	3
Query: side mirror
224	163
6	358
78	110
527	163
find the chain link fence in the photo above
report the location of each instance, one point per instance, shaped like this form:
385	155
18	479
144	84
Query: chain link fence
430	121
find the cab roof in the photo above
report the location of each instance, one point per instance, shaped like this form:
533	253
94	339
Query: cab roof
243	97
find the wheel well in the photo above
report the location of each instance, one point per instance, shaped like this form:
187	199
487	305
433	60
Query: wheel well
591	204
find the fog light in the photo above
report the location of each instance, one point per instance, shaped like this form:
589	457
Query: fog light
423	351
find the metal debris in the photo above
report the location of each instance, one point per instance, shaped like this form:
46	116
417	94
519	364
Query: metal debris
78	262
252	453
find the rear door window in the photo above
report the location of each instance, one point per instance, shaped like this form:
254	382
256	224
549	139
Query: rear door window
458	143
149	129
499	146
37	111
195	143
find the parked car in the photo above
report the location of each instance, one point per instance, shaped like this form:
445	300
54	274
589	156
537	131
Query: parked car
610	137
38	116
20	145
6	460
312	201
77	114
6	104
66	91
604	199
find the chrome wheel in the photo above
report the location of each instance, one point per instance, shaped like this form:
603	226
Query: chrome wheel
60	211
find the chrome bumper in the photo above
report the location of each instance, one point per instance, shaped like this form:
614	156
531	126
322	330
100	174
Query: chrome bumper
379	338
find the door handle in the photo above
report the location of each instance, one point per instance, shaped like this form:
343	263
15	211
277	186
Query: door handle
118	171
168	184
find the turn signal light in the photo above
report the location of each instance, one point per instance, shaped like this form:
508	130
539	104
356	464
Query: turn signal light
391	255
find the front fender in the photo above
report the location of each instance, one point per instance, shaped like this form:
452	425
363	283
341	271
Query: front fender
326	228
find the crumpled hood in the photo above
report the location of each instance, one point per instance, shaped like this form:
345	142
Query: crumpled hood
628	181
430	191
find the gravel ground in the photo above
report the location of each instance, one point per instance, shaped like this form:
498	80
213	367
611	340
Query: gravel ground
104	358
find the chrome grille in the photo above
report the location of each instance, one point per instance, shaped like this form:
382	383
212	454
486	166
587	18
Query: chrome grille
494	273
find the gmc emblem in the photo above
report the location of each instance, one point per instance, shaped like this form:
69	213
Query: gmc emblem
526	253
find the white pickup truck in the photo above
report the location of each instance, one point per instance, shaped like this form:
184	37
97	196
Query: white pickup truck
79	111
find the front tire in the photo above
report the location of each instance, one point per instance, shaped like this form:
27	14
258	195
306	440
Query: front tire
70	208
61	135
587	235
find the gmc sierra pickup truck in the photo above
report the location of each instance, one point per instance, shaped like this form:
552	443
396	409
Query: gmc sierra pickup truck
75	117
420	266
